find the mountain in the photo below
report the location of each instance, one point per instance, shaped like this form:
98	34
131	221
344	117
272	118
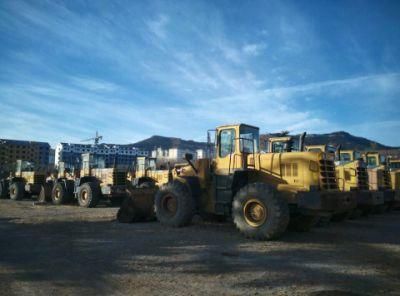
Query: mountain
346	140
168	142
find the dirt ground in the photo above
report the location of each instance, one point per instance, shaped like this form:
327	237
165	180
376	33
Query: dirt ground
67	250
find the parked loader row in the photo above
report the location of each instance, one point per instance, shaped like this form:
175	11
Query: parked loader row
88	185
263	193
290	186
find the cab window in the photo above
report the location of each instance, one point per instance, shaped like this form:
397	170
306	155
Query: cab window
357	155
371	161
278	147
395	165
249	138
345	156
227	142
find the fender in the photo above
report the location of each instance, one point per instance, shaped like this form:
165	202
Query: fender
192	182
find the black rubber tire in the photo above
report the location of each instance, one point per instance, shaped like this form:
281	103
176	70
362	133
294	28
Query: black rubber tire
356	214
59	190
17	191
92	192
323	221
341	217
129	212
4	193
184	212
45	192
380	209
116	201
277	217
147	184
302	223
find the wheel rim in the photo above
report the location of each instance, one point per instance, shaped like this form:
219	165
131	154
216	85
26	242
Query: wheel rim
169	204
58	194
12	191
84	195
255	212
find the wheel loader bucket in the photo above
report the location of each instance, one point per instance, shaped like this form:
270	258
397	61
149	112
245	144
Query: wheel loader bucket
138	206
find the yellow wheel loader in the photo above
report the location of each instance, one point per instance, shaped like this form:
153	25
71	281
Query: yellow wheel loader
26	181
93	184
394	165
144	181
379	176
352	176
63	185
262	192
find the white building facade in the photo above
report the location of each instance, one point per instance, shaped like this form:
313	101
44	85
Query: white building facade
112	154
175	154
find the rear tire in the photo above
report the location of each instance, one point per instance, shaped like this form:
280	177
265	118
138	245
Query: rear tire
89	195
174	204
259	212
59	195
147	184
17	191
45	192
356	214
4	193
340	217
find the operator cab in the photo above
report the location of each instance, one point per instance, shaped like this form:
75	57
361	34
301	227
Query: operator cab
394	164
285	143
234	143
322	148
375	159
349	155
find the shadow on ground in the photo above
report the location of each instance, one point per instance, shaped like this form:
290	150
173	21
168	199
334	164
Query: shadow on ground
103	257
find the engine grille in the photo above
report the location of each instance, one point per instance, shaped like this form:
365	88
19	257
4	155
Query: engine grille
362	178
119	178
327	174
387	182
39	179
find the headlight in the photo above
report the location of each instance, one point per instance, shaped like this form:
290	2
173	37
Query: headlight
313	166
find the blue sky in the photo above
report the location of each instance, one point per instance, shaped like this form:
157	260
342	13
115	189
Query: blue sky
131	69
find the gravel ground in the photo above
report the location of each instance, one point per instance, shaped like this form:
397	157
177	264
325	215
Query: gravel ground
64	250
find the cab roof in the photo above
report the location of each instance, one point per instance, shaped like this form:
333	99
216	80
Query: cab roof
237	124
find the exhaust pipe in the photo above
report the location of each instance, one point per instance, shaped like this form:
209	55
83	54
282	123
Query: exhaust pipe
337	152
301	141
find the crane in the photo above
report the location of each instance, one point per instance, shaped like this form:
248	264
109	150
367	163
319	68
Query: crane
96	139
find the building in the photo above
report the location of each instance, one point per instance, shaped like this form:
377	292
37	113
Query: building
175	154
12	150
111	154
52	155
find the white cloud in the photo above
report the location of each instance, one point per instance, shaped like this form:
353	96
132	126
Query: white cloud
176	84
158	26
253	49
95	84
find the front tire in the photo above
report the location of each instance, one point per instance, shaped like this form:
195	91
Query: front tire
174	204
45	192
17	191
259	212
89	195
59	195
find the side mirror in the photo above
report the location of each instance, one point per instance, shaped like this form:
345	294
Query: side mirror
188	156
